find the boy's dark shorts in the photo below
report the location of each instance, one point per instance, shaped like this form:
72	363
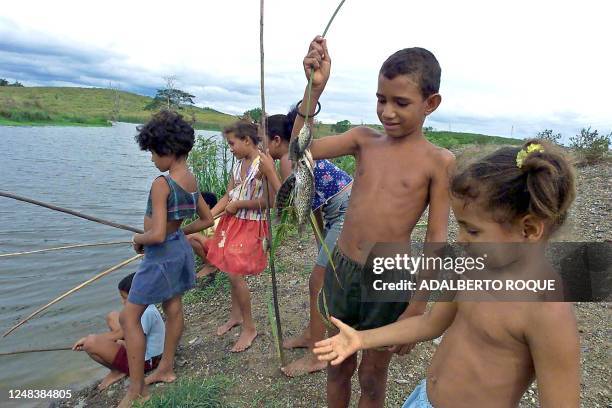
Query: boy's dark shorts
341	297
120	363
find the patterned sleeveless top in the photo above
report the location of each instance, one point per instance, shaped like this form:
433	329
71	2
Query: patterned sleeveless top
251	188
329	181
180	204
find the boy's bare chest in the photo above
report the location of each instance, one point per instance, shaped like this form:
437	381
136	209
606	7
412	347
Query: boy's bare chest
393	172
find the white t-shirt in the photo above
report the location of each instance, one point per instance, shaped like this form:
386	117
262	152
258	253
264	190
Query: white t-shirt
155	331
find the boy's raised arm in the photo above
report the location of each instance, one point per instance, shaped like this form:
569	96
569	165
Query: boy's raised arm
552	337
319	61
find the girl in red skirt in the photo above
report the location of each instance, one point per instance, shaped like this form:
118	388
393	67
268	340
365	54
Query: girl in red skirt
237	246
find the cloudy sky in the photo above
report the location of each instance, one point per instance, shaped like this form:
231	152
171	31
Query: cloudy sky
508	67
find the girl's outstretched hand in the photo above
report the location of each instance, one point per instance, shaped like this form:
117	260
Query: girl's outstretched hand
337	348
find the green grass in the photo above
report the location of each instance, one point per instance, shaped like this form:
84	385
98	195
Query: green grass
449	140
221	284
192	393
88	106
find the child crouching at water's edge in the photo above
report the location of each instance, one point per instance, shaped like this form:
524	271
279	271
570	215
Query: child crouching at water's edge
109	349
237	246
167	270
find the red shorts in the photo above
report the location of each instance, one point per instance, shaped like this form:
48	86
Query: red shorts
120	363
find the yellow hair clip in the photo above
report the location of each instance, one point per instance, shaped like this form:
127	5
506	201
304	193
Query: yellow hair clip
523	153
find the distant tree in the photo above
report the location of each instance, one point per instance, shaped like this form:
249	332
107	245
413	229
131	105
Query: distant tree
253	114
547	134
170	97
17	84
4	82
428	129
591	145
341	127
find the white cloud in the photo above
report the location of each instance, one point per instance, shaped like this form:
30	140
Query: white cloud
522	65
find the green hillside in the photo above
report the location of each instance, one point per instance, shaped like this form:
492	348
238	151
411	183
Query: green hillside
97	107
88	106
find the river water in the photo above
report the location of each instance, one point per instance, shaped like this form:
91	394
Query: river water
97	171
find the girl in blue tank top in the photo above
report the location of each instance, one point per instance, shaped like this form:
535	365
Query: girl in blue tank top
332	192
167	270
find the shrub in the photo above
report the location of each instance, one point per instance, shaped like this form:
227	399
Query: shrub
547	134
341	127
590	146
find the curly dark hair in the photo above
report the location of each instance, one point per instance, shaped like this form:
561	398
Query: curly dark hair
166	133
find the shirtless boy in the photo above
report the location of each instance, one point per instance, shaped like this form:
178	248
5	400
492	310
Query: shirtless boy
398	174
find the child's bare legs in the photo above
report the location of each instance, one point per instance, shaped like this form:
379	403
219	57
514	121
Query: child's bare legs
240	291
313	333
197	242
135	344
173	309
235	314
339	382
112	321
103	350
373	372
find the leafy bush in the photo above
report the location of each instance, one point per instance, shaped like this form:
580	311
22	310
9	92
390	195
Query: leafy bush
211	162
590	146
547	134
341	127
346	163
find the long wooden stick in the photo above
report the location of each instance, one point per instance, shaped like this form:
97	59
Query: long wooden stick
11	353
64	247
71	212
71	291
279	332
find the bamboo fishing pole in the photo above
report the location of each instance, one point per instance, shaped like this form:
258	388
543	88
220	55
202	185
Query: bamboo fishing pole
279	332
71	212
77	214
71	291
11	353
64	247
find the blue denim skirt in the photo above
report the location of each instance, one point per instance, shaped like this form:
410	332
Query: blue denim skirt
167	270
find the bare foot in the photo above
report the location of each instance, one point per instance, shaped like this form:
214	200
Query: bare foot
110	379
245	340
157	376
206	270
305	365
229	325
130	398
301	341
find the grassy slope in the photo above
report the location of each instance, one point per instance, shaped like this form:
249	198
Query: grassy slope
86	105
94	106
